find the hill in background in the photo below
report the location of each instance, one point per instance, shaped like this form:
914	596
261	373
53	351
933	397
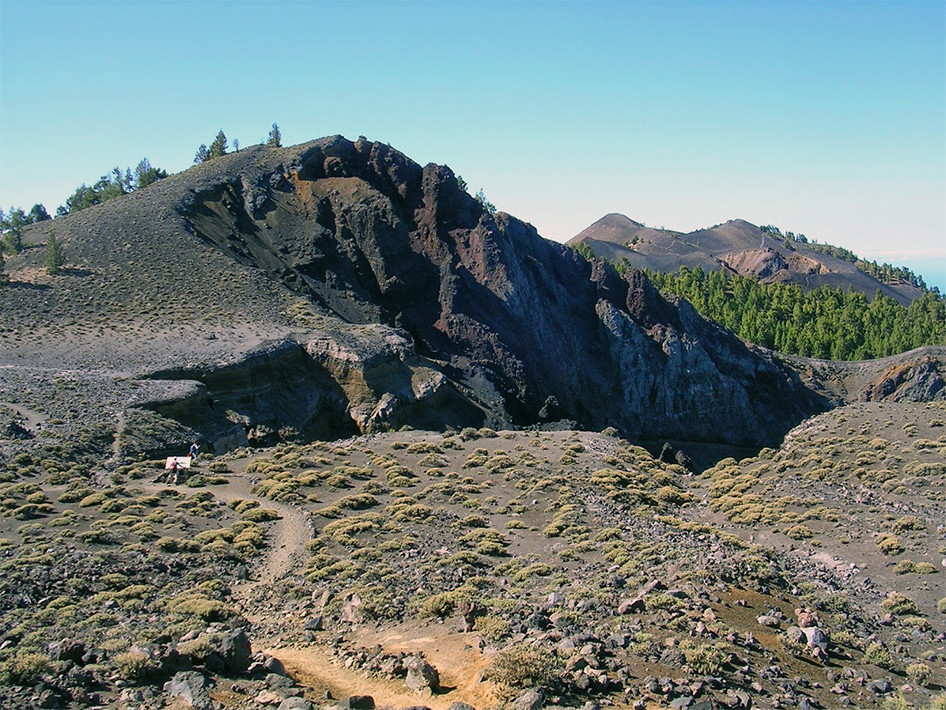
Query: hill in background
736	247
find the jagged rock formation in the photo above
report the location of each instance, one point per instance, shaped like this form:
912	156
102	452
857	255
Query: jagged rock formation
523	327
338	287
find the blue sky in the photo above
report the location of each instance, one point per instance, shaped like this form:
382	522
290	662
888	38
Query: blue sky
822	118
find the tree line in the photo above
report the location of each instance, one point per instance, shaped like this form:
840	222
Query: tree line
827	323
887	274
114	184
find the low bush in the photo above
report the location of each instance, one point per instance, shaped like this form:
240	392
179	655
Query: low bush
899	605
522	666
878	655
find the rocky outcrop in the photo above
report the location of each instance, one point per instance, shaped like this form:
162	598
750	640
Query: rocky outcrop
915	376
436	311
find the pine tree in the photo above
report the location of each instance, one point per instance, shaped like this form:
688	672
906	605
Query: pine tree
275	137
15	221
4	279
202	155
38	213
219	146
145	174
54	256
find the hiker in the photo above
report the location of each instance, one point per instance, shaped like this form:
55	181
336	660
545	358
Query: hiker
194	451
172	472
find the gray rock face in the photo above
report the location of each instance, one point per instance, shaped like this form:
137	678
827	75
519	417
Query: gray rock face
191	686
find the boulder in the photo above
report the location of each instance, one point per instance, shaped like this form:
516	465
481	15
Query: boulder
274	665
235	651
795	634
421	676
768	620
295	704
282	685
314	623
530	700
191	686
359	702
66	650
816	638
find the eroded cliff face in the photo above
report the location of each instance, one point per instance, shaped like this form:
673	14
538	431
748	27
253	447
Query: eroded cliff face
443	313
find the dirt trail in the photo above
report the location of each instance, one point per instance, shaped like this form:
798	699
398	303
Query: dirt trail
460	666
286	540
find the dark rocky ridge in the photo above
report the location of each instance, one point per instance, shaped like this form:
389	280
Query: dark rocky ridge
368	235
336	287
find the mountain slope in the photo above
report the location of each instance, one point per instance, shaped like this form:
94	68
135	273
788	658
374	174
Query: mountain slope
736	247
337	287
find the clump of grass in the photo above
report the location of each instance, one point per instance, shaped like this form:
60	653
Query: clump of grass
919	673
260	515
703	658
890	544
799	532
522	666
135	665
907	523
877	654
900	605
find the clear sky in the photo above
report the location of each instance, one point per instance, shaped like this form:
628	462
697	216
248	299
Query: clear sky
818	117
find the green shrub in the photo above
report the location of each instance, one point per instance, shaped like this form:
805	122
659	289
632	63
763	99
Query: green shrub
493	629
522	666
799	532
904	567
877	654
202	607
703	658
260	515
26	669
889	544
92	499
673	496
899	605
907	522
919	673
440	605
895	702
134	665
